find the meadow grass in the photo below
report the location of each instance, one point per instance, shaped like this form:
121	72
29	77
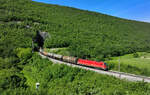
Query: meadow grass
137	63
62	51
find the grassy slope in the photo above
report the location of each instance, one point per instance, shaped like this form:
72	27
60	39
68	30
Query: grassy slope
130	63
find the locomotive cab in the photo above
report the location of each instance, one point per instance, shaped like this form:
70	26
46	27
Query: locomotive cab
105	67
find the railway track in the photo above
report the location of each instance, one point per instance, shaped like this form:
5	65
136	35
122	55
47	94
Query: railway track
121	75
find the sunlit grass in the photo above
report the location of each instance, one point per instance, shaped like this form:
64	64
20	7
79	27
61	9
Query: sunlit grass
131	64
62	51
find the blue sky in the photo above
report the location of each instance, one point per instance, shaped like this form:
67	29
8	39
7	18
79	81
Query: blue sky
129	9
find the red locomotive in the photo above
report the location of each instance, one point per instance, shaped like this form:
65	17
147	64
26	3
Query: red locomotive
77	61
90	63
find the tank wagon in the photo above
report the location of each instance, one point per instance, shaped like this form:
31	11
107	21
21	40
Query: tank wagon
77	61
57	56
70	59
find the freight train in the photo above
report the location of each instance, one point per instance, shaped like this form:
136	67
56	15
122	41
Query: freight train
77	61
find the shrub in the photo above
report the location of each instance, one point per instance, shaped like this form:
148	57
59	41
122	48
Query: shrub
135	55
23	53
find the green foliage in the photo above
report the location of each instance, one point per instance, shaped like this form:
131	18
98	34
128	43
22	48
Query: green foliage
10	78
23	53
135	55
61	79
85	34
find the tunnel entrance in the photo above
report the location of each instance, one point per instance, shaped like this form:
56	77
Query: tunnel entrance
38	40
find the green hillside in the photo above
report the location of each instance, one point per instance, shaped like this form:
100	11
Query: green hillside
87	34
84	34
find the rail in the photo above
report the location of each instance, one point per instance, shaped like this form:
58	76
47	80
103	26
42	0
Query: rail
121	75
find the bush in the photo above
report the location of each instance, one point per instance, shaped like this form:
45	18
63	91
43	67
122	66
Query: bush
23	53
135	55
